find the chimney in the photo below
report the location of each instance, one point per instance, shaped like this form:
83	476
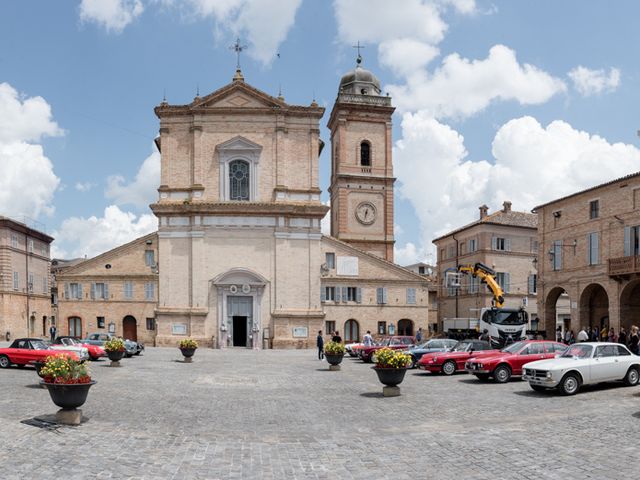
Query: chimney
484	211
506	206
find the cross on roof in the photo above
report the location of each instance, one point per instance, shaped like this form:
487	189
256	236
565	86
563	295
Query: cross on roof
358	46
238	48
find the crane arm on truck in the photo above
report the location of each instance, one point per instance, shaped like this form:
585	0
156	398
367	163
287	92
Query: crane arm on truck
488	276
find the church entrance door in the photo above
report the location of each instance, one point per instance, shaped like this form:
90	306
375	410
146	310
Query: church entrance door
240	315
239	331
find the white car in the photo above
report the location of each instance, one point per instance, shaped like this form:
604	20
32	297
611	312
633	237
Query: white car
584	364
68	346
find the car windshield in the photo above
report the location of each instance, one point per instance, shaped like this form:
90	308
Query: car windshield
505	317
68	342
578	351
461	347
38	345
514	347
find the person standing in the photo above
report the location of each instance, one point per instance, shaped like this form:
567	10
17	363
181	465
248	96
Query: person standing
419	335
368	339
613	338
485	335
52	332
572	338
583	336
633	340
336	337
320	345
622	338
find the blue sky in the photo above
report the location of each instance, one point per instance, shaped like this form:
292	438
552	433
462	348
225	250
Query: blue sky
503	100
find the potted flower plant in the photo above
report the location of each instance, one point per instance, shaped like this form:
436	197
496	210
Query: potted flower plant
391	366
334	352
68	381
188	347
115	350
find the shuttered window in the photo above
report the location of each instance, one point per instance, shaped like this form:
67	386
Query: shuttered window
532	283
16	280
381	295
149	291
128	290
557	254
593	252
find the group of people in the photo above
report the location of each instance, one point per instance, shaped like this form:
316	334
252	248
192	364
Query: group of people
367	341
595	334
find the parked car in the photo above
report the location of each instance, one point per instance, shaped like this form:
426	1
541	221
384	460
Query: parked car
24	351
98	339
71	345
352	348
132	348
430	346
509	361
95	351
584	364
453	360
398	342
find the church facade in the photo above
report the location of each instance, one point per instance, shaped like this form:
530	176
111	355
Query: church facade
241	258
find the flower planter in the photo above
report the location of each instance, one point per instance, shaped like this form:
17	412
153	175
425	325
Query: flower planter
68	396
38	365
334	359
391	378
115	356
188	352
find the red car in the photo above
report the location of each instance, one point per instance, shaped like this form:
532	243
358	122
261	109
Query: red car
509	361
24	351
399	342
95	351
454	360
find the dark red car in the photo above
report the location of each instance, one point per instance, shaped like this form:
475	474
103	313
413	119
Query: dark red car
398	342
454	360
509	361
25	351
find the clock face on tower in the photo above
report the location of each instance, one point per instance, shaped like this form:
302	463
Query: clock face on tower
366	213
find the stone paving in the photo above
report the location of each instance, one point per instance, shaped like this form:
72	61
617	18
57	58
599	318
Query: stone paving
235	414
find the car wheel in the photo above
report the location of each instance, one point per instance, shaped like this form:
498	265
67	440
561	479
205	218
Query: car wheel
569	384
4	361
502	374
413	362
483	377
449	367
632	377
538	388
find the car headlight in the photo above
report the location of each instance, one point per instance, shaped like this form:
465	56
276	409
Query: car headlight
548	374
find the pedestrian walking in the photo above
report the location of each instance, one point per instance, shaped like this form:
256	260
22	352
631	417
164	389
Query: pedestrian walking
336	337
52	332
633	340
368	339
583	336
320	345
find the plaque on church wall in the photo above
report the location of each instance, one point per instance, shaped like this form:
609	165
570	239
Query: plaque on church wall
300	332
179	329
347	266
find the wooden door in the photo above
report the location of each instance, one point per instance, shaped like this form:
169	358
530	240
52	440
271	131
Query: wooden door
129	328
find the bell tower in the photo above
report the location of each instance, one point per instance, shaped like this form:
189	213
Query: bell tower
361	165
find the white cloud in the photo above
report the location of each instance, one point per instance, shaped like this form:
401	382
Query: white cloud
24	119
84	186
325	223
462	87
92	236
143	190
113	15
27	180
592	82
533	164
404	55
263	23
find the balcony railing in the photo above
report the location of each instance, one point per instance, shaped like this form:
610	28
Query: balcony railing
624	266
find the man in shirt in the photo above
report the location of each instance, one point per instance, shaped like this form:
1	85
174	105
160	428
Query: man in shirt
368	339
320	345
583	336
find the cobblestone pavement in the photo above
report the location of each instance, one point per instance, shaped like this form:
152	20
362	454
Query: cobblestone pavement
281	414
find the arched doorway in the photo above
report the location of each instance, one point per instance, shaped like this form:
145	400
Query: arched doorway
75	327
130	328
630	305
557	314
594	307
351	331
405	327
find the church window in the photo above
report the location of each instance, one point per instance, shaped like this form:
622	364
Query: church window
239	180
365	154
